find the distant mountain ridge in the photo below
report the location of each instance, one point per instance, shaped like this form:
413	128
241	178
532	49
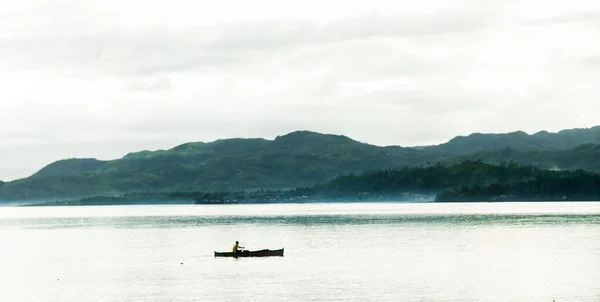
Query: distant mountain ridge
300	158
297	158
521	141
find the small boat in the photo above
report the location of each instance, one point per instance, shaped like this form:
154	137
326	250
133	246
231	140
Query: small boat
246	253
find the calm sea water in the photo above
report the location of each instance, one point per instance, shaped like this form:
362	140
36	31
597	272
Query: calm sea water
333	252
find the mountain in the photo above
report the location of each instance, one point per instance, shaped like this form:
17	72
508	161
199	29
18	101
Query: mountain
296	159
472	181
70	166
300	158
521	141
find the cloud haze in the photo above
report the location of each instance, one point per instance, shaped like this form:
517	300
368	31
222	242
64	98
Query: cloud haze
103	78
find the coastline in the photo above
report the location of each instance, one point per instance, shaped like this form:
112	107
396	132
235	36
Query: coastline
317	201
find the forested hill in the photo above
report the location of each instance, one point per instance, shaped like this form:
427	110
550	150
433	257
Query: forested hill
520	141
467	181
300	158
297	159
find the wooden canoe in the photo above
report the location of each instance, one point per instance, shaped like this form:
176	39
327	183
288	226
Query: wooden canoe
261	253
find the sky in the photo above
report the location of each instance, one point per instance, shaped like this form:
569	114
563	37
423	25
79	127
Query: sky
104	78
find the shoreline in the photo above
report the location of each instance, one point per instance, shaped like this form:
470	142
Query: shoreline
296	202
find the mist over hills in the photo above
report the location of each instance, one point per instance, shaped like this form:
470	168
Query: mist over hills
300	158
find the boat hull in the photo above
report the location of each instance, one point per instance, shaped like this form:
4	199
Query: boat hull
261	253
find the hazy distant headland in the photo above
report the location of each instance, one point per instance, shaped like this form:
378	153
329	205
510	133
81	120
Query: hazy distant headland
305	165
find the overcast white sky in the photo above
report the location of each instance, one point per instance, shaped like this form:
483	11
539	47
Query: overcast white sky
103	78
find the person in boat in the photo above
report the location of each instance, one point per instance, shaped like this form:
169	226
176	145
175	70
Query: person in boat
237	248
